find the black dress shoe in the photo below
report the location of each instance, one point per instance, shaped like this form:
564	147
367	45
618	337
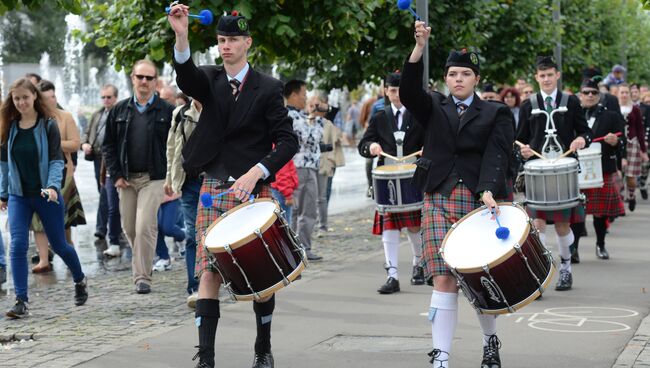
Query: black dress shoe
418	276
80	292
142	288
601	252
491	358
313	256
575	256
631	205
644	194
36	259
391	286
263	360
206	357
565	281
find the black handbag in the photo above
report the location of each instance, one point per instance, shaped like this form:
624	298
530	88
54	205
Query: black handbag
90	156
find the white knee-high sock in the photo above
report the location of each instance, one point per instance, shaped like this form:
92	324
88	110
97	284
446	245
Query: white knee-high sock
443	314
563	244
416	246
390	238
488	324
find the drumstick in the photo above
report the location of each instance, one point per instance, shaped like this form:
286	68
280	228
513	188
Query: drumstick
389	156
411	155
564	154
618	134
521	145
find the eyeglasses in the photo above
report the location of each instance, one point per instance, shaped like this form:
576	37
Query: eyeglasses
107	97
590	92
148	77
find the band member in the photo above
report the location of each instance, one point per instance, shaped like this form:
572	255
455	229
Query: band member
606	201
572	133
467	146
232	144
381	137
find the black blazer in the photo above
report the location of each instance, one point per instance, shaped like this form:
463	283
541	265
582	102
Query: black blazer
569	125
381	128
608	121
478	146
239	134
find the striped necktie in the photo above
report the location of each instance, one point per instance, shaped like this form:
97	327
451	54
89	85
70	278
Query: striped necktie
234	84
461	108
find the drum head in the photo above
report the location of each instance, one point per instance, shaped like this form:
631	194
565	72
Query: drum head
474	244
548	164
240	223
394	168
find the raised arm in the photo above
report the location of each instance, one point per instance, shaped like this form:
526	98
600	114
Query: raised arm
411	92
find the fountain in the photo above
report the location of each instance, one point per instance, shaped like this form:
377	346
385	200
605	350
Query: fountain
44	66
3	92
73	47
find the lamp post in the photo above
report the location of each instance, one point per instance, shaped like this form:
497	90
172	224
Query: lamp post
422	9
558	39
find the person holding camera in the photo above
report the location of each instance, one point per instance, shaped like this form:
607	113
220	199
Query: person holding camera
307	161
380	137
108	214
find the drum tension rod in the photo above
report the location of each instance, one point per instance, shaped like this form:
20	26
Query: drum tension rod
241	270
517	247
297	246
460	281
486	269
258	233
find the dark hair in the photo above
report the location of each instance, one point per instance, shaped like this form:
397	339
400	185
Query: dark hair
9	113
184	97
35	76
106	86
632	85
293	86
45	85
511	91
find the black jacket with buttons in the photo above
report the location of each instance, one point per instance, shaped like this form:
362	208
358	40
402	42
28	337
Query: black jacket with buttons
478	146
115	143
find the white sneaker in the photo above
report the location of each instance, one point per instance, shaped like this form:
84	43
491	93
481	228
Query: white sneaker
180	248
162	265
191	300
112	251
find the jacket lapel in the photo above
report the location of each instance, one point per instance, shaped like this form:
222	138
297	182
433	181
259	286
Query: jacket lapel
247	95
472	112
391	118
449	108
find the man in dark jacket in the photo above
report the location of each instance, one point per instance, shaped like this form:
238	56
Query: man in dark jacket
135	152
467	147
243	117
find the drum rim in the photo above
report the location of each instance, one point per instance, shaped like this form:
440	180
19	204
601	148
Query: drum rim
275	287
497	261
248	238
380	169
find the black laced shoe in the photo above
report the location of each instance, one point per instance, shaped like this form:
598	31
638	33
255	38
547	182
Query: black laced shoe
418	276
565	281
601	252
391	286
19	310
631	205
435	356
206	357
263	360
80	292
644	194
491	357
575	256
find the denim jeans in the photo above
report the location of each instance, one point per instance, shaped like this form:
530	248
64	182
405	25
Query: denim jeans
277	195
113	211
168	225
21	210
189	205
3	260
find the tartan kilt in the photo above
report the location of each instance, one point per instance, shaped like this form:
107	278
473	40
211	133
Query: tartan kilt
633	168
395	221
438	214
572	215
206	216
605	201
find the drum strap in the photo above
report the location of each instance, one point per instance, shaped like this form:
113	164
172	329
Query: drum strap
564	100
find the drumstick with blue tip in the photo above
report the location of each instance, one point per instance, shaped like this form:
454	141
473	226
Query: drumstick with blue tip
207	198
502	232
406	5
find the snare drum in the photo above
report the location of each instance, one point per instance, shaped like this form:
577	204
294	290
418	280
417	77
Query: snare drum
393	189
254	250
552	184
498	276
591	167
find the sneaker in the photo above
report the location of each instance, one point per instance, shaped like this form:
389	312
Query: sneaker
80	292
491	357
19	310
565	281
191	300
163	265
112	251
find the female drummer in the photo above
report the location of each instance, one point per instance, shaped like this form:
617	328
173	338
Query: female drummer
467	146
603	202
378	138
637	152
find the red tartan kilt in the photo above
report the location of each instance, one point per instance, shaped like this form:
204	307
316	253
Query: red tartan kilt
396	221
605	201
572	215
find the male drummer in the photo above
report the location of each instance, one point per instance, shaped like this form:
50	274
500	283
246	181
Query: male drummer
572	133
467	145
232	145
387	128
604	202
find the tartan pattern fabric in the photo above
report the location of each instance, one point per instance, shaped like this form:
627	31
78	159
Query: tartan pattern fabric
633	168
438	214
206	216
395	221
571	215
605	201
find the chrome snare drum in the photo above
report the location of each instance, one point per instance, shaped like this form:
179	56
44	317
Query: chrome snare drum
393	189
552	184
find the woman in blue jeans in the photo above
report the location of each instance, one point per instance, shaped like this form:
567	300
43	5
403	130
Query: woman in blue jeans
31	175
170	222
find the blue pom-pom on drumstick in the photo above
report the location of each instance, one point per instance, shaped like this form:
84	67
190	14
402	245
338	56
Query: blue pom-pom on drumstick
406	5
502	231
204	17
207	198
